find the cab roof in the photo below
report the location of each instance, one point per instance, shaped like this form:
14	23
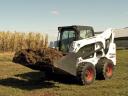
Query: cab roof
77	27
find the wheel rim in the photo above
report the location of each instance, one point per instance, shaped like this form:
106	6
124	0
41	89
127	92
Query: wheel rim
109	70
89	74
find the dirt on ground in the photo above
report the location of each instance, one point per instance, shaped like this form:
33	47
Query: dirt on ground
43	56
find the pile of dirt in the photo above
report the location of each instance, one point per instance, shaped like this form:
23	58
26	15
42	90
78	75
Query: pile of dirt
40	57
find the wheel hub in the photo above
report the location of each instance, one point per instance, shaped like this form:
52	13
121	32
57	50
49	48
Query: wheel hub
89	74
109	70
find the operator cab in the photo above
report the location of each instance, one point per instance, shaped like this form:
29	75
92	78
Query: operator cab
68	34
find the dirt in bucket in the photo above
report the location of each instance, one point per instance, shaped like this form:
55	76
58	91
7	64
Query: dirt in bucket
37	56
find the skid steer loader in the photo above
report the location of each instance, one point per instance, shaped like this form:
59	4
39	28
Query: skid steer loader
85	55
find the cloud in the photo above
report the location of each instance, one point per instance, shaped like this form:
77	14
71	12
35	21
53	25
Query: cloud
55	12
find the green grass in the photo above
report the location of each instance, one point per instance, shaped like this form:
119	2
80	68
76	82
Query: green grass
17	80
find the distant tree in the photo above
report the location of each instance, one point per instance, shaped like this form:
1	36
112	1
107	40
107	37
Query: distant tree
46	41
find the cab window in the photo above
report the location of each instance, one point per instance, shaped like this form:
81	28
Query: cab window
86	34
67	37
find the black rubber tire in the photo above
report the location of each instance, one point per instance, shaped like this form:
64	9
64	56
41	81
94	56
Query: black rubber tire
86	73
104	69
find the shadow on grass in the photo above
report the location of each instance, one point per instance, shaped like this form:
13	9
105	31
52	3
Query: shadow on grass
27	81
36	80
64	79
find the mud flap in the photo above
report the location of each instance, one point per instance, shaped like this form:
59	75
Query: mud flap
68	63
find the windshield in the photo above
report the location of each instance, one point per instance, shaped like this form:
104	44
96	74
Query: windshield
67	37
86	34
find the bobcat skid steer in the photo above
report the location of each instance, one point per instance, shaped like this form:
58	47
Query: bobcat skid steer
84	55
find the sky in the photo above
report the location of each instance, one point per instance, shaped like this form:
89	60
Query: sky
46	15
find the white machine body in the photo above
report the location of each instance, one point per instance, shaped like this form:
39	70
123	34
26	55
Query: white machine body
104	46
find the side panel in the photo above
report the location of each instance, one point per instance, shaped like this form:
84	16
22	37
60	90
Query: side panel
112	53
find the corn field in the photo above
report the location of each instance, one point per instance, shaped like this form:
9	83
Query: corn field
14	41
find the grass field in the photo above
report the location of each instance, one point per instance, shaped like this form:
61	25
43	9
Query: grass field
17	80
